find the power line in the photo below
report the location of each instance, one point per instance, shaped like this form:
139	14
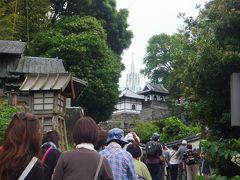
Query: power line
131	4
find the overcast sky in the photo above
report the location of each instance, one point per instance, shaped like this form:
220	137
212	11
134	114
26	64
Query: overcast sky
148	18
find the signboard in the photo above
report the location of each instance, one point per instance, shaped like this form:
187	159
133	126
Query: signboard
235	99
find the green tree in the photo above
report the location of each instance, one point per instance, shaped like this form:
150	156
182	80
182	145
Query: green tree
22	19
113	21
81	43
166	59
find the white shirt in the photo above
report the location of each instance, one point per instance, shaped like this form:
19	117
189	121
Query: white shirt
173	158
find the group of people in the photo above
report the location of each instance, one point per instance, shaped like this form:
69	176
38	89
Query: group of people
24	156
97	155
178	163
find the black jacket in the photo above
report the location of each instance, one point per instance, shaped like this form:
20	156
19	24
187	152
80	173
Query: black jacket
36	173
50	161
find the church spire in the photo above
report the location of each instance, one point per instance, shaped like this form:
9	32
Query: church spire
133	82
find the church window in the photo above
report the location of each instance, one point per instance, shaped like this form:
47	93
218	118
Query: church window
155	98
148	98
133	107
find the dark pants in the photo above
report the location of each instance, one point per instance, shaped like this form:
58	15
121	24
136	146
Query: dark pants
156	171
174	171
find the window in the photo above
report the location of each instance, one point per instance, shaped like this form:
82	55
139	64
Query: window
148	98
43	101
155	98
161	98
61	103
133	107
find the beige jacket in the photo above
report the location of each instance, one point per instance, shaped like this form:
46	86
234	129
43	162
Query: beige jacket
81	164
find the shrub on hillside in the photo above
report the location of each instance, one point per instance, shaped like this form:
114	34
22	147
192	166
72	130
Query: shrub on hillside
170	129
6	113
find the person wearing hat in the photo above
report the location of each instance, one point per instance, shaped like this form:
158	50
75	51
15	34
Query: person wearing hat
181	151
154	152
121	161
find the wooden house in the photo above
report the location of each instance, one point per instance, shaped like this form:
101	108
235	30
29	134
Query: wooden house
47	99
39	85
10	54
154	104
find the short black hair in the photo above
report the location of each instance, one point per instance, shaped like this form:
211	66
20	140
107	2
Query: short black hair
189	146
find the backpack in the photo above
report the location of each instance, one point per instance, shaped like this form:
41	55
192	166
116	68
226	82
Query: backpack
191	157
152	148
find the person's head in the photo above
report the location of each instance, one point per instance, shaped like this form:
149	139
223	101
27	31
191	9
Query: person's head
116	135
51	136
101	140
85	130
175	147
189	146
21	142
134	150
129	137
184	142
155	137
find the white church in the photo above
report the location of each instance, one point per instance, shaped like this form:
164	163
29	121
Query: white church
146	104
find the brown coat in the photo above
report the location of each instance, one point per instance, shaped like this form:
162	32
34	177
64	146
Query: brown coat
81	164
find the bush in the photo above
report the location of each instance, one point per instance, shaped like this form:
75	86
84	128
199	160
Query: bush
170	129
220	153
6	113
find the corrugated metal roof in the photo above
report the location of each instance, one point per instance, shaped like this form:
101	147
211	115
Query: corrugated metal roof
40	65
154	87
12	47
128	93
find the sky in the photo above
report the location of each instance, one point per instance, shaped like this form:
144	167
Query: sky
151	17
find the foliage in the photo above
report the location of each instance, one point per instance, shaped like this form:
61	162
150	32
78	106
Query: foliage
22	19
113	21
81	43
6	113
170	129
145	130
220	153
201	58
174	129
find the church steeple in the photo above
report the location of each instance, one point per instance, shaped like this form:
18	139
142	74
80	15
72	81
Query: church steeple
133	81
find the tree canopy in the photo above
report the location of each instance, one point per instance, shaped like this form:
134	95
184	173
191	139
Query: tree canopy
113	21
197	62
81	43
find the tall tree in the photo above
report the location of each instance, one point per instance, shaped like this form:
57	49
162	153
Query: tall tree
81	43
22	19
166	60
113	21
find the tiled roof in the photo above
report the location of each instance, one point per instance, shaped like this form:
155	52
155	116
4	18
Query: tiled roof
40	65
12	47
154	87
128	93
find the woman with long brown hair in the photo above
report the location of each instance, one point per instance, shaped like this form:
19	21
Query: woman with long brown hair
21	149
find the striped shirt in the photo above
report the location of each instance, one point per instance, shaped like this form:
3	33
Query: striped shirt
120	161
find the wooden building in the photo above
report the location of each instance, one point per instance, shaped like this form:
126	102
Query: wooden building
39	85
154	104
